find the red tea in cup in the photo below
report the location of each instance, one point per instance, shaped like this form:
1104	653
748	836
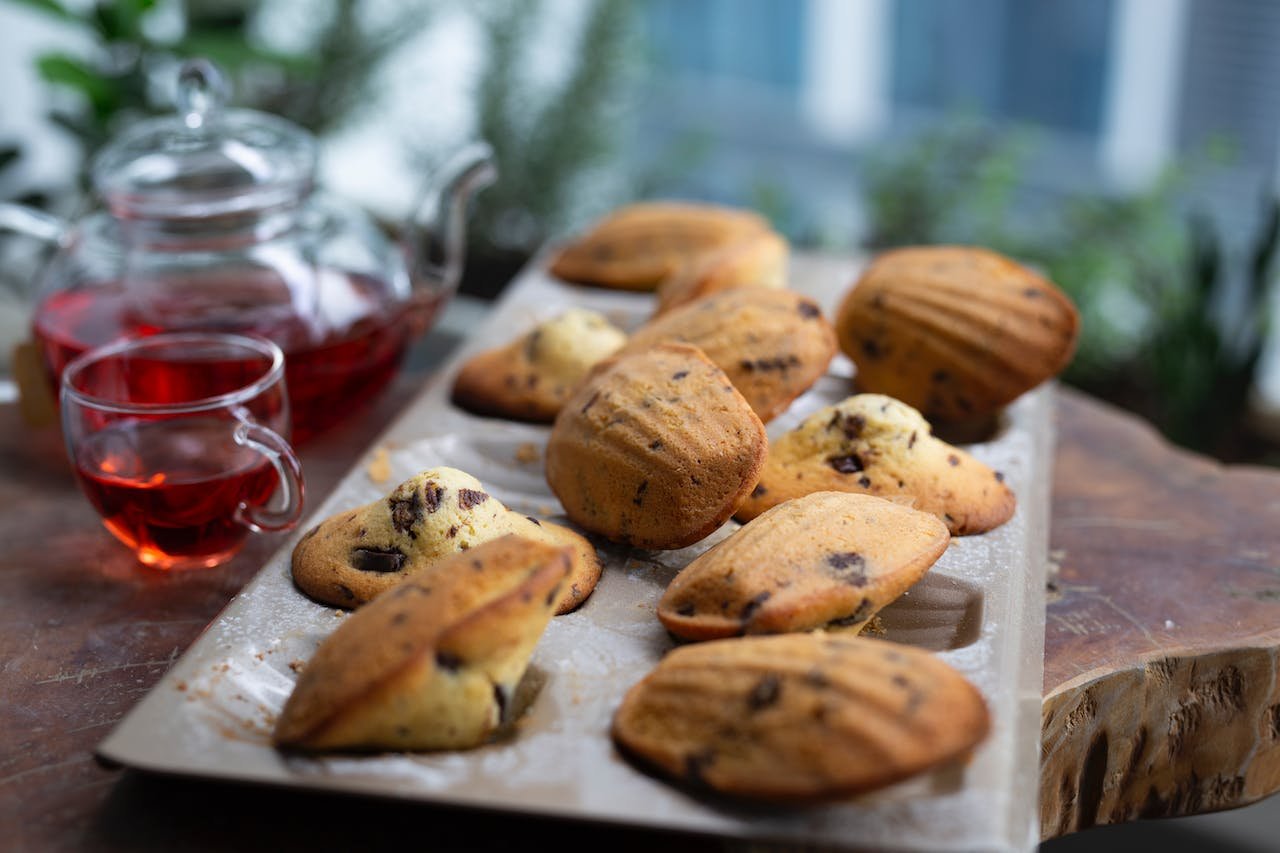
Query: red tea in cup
177	441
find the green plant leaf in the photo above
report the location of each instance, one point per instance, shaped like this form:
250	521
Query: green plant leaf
64	70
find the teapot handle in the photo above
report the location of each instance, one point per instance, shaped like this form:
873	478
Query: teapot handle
33	223
435	238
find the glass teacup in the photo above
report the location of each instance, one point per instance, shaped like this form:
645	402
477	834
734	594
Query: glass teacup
179	442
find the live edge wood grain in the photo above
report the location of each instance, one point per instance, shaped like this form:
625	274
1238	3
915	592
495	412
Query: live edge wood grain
1162	644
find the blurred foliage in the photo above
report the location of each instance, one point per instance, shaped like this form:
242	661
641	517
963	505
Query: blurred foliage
546	139
319	85
1171	324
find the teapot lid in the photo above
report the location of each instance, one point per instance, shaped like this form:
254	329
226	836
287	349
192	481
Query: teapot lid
205	161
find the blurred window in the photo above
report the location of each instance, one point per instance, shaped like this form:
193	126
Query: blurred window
1029	60
760	41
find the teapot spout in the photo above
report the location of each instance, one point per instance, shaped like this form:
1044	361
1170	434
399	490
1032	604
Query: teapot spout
434	240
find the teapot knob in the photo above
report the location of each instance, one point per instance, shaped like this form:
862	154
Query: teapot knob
202	90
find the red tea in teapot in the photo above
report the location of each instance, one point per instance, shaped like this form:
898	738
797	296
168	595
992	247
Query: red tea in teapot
333	363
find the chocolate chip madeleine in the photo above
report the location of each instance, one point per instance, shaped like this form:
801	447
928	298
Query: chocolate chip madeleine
879	446
656	449
799	717
352	557
826	560
530	378
955	331
638	246
773	344
434	663
757	260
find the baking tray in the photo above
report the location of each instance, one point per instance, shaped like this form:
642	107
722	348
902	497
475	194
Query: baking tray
981	608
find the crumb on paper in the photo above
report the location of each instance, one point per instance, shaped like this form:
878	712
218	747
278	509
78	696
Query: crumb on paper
182	686
874	627
527	453
297	665
379	468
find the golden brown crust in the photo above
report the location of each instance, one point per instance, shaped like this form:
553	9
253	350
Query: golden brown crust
530	378
826	560
799	717
758	260
638	246
656	449
876	445
955	331
431	664
352	557
773	344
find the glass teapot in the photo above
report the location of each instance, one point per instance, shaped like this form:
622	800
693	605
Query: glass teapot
212	223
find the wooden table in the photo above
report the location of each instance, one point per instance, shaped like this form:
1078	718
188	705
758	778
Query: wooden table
1161	686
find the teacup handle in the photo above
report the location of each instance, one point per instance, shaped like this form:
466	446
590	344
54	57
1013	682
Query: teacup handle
288	471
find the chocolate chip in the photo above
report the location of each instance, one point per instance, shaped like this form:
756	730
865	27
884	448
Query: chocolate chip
1032	293
749	609
953	460
864	481
900	680
808	310
551	595
765	693
638	500
378	559
849	567
405	511
911	442
346	592
759	490
679	374
468	498
686	609
871	349
1000	476
400	618
534	520
448	662
432	494
941	376
695	765
591	402
766	365
361	533
656	444
848	464
453	531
